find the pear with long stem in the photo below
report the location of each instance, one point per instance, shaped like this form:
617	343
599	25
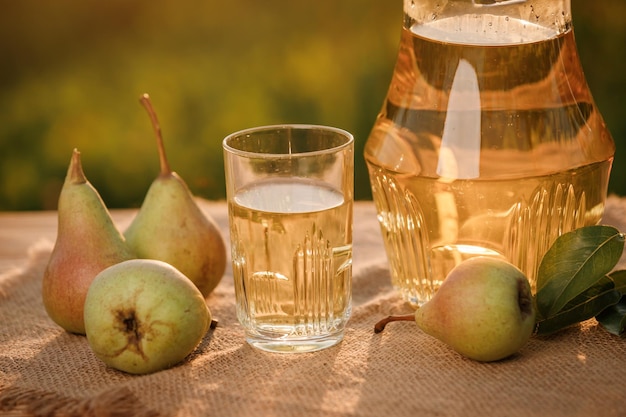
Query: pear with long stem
171	227
87	242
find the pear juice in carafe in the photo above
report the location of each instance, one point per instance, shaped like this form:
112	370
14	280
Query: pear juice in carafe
489	143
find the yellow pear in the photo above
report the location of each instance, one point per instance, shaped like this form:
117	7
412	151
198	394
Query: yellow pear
87	242
170	226
484	310
144	315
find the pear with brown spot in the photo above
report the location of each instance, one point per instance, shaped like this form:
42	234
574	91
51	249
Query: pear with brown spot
143	316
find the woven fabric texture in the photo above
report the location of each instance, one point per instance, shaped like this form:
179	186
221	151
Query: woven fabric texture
46	371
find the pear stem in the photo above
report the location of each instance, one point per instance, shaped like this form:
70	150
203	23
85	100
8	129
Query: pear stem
75	172
380	326
165	166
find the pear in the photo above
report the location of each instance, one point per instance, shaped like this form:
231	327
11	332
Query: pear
87	242
170	226
484	310
143	315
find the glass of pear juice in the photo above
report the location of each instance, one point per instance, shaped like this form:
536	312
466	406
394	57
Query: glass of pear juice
290	204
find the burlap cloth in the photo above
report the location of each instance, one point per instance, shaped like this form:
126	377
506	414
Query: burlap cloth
400	372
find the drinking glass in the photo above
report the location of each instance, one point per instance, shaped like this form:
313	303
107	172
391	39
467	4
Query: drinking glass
290	203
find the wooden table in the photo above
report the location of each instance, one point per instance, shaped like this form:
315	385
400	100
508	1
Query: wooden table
400	372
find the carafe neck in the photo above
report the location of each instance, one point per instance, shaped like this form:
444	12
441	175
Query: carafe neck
548	16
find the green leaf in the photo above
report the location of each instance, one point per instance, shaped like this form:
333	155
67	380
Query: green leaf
619	278
583	307
574	263
613	319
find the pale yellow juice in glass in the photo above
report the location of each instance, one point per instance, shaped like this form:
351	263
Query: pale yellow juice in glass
292	258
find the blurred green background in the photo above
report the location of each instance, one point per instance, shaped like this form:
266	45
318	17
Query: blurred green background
72	72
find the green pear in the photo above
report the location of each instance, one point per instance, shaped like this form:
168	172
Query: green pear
484	310
87	242
143	315
172	228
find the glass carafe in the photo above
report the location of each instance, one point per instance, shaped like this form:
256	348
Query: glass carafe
488	142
